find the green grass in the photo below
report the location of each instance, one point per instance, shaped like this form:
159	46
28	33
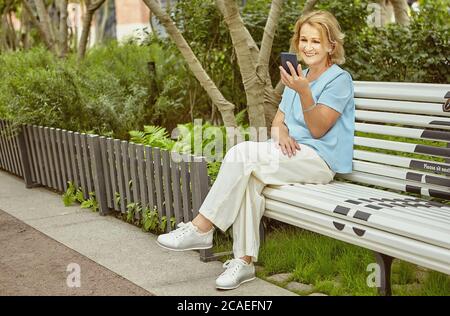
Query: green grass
339	268
223	242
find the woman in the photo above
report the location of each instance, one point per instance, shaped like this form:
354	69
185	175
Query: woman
312	140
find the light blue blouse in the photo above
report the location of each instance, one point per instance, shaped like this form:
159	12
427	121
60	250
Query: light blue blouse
333	88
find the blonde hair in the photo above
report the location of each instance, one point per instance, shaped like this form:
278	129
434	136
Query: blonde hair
329	28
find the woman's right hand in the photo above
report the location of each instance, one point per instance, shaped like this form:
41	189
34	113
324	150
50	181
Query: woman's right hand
280	135
287	144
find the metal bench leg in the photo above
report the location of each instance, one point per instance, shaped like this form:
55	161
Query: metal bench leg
207	255
385	263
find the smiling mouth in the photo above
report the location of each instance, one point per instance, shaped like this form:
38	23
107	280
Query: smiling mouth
309	55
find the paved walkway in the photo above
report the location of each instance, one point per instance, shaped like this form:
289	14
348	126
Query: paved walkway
117	246
32	263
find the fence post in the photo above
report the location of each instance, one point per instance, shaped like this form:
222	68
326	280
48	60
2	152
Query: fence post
97	174
199	182
25	159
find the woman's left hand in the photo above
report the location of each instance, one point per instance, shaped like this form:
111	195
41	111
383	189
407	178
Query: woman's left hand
296	82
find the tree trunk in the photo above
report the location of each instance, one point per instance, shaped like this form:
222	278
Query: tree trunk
386	11
102	16
24	30
91	7
45	22
106	22
14	44
38	25
309	6
87	20
270	99
247	54
401	11
152	25
4	30
63	37
225	107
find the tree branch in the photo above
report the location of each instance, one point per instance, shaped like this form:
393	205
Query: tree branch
309	6
246	49
225	107
400	11
269	33
44	19
36	23
63	28
91	7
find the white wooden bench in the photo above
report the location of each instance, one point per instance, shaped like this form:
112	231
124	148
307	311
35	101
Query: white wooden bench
394	225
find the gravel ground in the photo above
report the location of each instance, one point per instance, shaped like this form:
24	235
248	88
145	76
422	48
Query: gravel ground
31	263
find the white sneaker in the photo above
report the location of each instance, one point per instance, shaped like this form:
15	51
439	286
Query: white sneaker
237	272
186	237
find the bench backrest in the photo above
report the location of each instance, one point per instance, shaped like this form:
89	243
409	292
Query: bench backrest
402	135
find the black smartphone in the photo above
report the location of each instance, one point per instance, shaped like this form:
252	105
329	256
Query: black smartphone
292	58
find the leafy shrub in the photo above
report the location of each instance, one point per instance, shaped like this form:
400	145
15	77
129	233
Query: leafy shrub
417	53
37	88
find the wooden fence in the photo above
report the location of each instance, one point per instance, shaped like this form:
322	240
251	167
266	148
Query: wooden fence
174	185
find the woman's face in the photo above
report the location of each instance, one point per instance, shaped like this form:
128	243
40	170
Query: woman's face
313	50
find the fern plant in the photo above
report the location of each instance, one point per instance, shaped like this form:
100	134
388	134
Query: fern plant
132	209
90	203
72	194
69	196
150	220
117	198
152	223
154	136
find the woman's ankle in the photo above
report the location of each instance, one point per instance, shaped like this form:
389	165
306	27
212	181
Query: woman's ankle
247	259
202	224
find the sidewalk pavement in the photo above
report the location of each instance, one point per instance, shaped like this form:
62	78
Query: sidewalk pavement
118	246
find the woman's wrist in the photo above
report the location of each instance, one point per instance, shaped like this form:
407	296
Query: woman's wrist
310	108
307	100
304	91
278	130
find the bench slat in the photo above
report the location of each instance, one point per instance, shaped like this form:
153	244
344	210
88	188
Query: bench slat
389	202
401	107
421	92
346	202
403	131
400	206
404	119
402	146
414	251
405	162
391	183
401	173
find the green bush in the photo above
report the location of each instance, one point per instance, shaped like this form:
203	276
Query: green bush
417	53
38	88
109	93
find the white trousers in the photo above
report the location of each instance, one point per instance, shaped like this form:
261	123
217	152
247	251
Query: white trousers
235	197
